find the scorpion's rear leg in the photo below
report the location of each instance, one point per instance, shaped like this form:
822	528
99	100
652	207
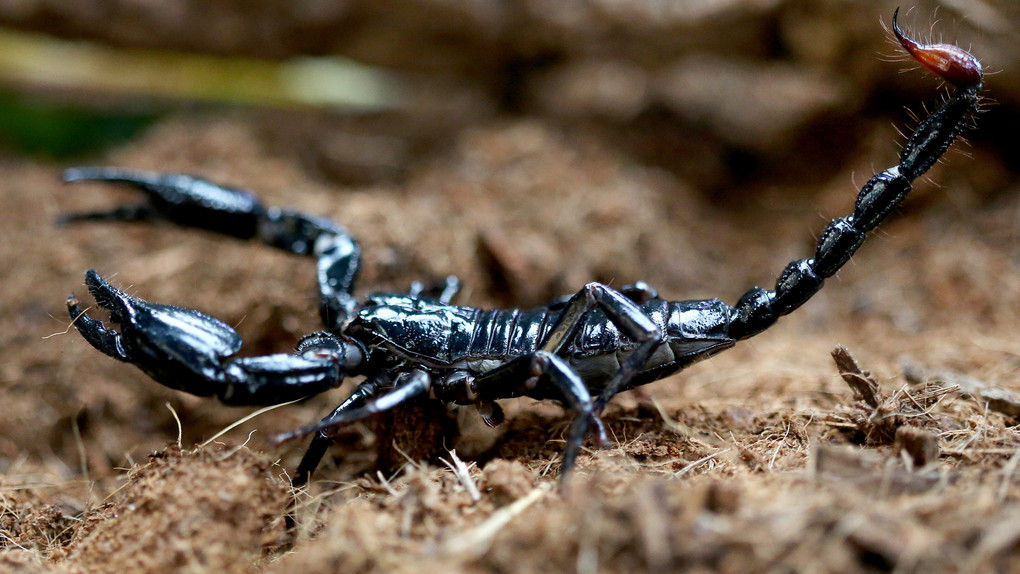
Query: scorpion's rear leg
517	377
193	202
443	291
622	312
187	350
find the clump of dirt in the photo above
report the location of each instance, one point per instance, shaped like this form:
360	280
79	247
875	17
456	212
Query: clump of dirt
230	501
31	522
882	418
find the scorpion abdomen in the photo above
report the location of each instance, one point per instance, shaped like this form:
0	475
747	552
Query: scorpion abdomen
694	330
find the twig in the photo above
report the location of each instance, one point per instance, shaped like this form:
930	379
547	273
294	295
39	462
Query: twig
180	429
698	462
237	448
476	542
463	474
240	421
859	380
1007	475
775	453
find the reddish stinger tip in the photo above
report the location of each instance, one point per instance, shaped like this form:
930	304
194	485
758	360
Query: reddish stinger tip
951	63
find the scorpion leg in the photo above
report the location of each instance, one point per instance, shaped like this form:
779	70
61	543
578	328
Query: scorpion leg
619	309
759	308
639	292
624	313
321	442
444	292
192	202
189	351
408	386
518	376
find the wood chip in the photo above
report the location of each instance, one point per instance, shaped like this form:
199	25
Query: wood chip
922	445
864	386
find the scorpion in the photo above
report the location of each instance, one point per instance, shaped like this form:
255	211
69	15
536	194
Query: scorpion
580	350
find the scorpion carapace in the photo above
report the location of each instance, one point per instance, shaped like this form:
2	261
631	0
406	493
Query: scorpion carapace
580	350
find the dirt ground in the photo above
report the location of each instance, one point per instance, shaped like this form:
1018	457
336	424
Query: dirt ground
762	458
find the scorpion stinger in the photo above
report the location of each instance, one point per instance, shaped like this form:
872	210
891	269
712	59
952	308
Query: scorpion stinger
581	350
951	63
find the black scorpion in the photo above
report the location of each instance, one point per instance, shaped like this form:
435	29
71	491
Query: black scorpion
580	350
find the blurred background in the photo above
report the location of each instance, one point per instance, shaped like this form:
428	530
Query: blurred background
714	90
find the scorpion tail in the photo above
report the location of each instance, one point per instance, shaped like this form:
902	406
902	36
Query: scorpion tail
759	308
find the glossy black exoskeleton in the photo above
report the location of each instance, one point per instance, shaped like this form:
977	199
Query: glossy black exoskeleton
582	350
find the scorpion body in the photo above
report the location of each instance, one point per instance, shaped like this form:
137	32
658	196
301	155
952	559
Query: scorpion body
452	338
581	350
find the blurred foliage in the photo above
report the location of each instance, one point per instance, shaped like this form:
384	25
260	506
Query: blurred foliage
40	60
58	130
72	123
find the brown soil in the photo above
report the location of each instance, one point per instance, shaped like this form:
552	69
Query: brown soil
763	458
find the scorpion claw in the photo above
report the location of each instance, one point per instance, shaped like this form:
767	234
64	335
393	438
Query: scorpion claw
171	344
179	198
94	331
190	351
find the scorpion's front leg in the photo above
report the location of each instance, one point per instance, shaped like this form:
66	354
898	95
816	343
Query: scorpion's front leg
193	202
367	400
187	350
